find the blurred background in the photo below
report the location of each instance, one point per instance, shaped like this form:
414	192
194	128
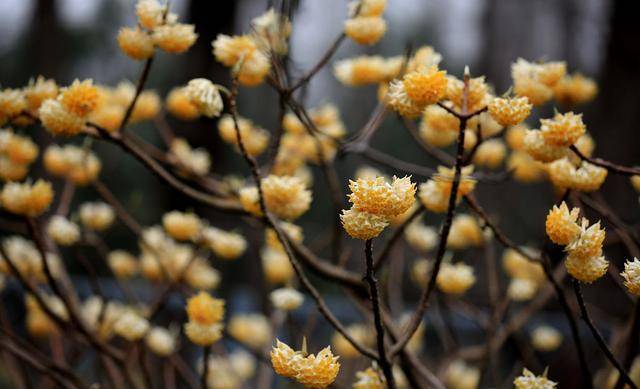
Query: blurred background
68	39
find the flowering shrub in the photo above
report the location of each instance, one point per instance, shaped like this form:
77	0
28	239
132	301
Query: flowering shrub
491	140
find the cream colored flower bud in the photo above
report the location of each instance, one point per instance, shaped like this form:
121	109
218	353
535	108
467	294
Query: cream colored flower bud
97	216
161	341
131	326
63	231
206	96
181	225
286	299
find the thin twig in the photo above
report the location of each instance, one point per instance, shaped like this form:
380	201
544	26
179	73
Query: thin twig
374	296
584	313
610	166
141	81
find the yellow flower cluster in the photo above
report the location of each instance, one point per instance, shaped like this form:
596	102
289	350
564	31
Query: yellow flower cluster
509	111
490	153
546	338
74	163
131	326
190	161
421	237
286	299
27	199
375	201
271	31
631	275
252	329
370	378
205	316
526	276
275	262
477	97
254	138
528	380
157	28
555	135
243	54
38	322
286	196
67	114
312	371
63	231
583	243
224	244
535	81
575	89
434	194
465	232
12	105
122	264
417	89
360	332
27	259
17	153
366	69
182	226
114	102
179	104
586	178
366	25
160	341
460	375
455	278
96	216
205	96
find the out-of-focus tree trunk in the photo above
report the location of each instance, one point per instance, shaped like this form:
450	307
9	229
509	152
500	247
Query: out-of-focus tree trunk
44	38
617	118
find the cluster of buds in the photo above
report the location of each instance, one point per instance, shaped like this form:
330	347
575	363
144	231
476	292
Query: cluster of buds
455	278
535	81
545	338
67	114
587	177
251	329
360	333
114	102
190	161
370	378
230	371
19	106
365	25
314	371
26	259
583	243
286	299
157	27
465	232
76	164
26	199
275	262
461	375
205	319
375	202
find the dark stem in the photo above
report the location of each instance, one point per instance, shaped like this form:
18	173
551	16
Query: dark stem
205	366
323	61
141	81
584	313
610	166
374	296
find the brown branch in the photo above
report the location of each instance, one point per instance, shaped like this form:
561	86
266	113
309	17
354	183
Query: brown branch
271	221
610	166
374	296
205	368
584	313
141	81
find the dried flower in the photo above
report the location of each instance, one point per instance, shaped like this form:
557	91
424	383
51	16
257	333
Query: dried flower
509	112
27	199
365	30
206	96
455	278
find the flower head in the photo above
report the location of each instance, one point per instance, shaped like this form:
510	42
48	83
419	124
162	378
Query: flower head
27	199
204	309
182	226
286	196
378	197
135	43
509	112
58	120
97	216
160	341
204	95
224	244
363	225
631	275
365	30
131	326
286	299
63	231
426	86
174	38
528	380
563	129
561	224
546	338
455	278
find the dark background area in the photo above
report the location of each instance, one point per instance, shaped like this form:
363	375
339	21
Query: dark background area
67	39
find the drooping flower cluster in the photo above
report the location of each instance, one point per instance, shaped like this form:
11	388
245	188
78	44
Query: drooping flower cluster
203	94
157	27
366	25
374	202
205	316
583	243
243	54
314	371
